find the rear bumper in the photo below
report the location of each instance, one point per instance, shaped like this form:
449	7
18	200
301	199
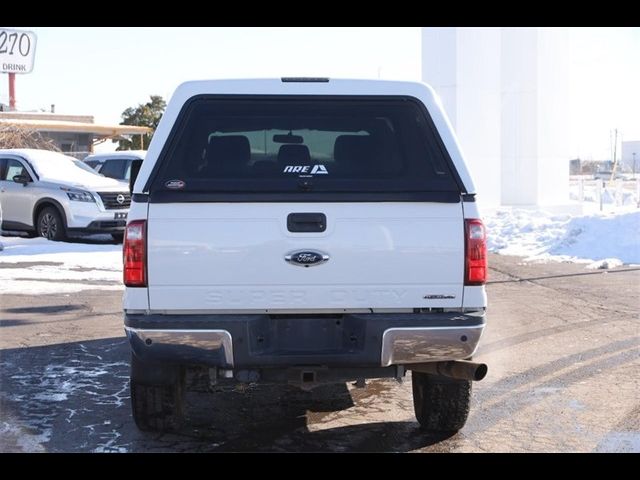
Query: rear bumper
264	341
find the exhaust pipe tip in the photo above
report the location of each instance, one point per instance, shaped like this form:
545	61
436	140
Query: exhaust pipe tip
481	372
458	369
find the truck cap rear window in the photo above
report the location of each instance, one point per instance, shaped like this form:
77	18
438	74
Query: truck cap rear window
288	145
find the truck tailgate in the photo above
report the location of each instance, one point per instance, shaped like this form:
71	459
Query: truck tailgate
231	257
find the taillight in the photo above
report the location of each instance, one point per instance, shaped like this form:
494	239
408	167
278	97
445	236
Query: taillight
135	254
475	252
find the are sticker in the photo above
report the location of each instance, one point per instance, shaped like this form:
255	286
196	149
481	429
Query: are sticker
312	170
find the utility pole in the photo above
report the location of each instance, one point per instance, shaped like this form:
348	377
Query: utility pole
615	151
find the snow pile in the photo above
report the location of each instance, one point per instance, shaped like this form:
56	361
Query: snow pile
602	240
37	266
605	264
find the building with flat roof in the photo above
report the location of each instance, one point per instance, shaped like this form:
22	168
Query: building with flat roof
74	135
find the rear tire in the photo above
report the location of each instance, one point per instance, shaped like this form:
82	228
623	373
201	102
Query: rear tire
157	396
50	225
441	404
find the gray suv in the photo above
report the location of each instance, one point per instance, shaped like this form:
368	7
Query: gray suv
45	193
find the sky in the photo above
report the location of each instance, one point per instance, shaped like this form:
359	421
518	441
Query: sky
101	71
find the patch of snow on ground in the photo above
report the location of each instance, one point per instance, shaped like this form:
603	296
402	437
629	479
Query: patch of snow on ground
51	397
40	266
602	240
605	264
25	439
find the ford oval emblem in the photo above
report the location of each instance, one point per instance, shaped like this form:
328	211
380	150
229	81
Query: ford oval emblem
306	258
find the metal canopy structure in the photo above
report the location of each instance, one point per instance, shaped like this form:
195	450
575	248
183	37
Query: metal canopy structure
99	131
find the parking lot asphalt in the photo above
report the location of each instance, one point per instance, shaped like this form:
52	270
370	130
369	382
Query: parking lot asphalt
562	344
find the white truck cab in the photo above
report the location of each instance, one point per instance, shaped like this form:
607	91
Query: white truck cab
304	231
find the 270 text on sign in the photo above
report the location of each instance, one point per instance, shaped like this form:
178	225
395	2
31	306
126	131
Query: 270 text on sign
17	50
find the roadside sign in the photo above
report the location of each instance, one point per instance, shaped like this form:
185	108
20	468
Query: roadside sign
17	50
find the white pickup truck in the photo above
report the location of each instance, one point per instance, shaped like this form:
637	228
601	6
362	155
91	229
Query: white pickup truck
304	231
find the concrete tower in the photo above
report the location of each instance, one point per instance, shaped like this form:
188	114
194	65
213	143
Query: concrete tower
506	93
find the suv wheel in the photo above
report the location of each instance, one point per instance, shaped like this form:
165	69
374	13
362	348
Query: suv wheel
50	225
157	392
441	404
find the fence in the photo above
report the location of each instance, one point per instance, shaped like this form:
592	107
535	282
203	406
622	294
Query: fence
616	193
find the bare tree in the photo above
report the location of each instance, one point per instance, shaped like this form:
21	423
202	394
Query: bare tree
14	136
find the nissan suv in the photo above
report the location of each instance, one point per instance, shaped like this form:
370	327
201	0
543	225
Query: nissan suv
47	194
304	231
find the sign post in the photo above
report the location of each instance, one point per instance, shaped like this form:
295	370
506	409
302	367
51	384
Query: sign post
17	51
12	91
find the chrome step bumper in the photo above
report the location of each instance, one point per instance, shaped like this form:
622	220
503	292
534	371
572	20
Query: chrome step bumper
401	346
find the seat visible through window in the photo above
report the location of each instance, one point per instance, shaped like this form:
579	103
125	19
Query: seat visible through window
354	154
294	155
227	155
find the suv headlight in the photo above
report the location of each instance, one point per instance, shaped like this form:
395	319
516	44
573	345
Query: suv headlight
78	195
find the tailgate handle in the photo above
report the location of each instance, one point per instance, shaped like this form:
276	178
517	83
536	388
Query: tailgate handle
306	222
